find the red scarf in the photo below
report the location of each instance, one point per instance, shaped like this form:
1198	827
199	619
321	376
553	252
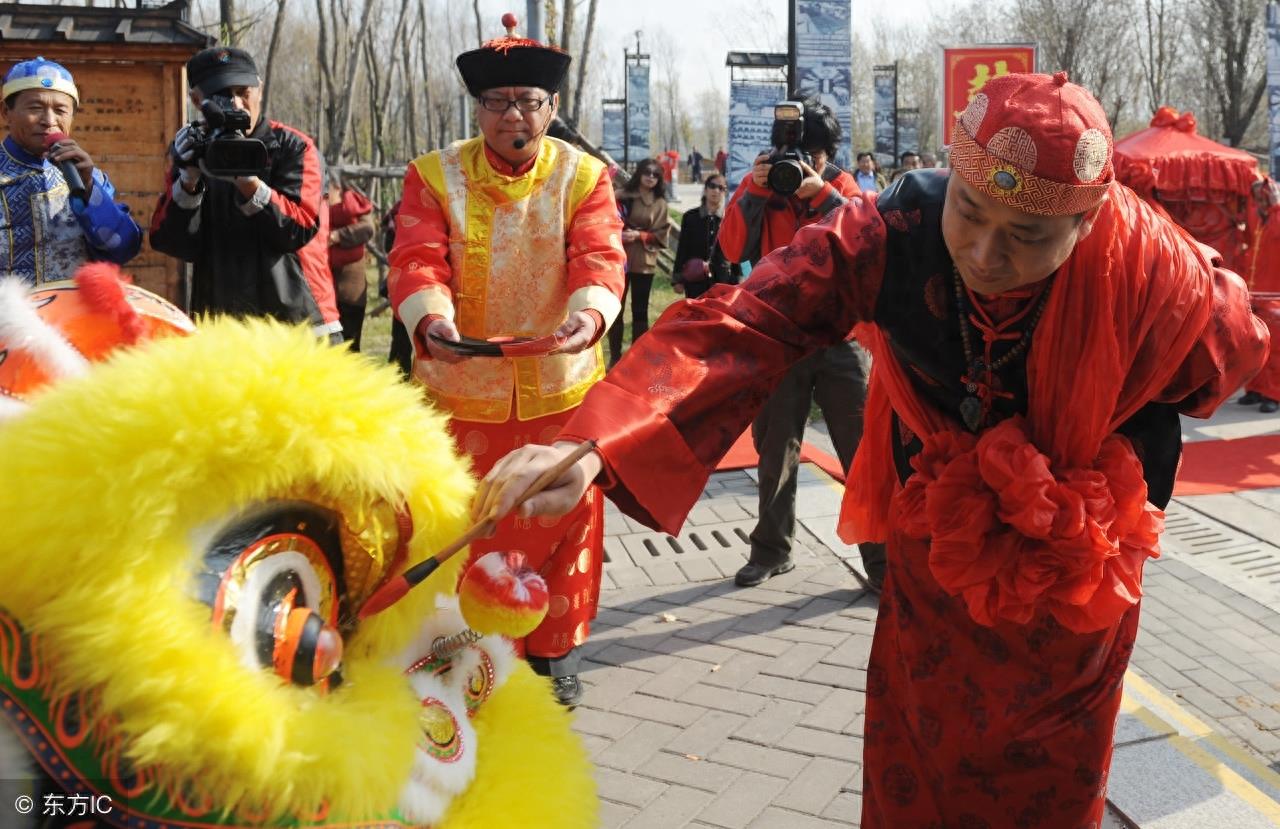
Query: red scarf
1049	510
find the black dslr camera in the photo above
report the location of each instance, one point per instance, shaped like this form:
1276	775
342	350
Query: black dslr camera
787	136
221	141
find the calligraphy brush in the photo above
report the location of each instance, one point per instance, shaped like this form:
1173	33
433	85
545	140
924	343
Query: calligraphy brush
395	589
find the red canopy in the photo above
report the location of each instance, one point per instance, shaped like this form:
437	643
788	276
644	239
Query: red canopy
1205	186
1170	158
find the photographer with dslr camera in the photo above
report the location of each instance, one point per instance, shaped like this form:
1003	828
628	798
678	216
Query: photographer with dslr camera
793	185
244	202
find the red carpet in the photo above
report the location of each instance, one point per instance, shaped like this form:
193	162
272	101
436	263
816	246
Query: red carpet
1211	466
742	455
1208	466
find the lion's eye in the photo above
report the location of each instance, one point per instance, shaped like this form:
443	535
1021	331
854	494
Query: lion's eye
273	580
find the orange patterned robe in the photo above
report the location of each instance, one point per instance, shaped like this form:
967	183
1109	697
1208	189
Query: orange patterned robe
510	253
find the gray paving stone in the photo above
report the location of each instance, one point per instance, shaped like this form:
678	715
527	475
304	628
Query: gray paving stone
659	710
607	685
774	722
837	677
644	660
603	723
775	818
698	569
816	611
852	653
764	759
1212	682
1163	675
1210	705
625	577
838	712
738	669
811	693
710	628
764	619
725	699
627	789
663	572
755	643
691	649
816	785
637	746
674	681
798	659
615	815
847	808
696	773
674	808
706	735
823	744
745	798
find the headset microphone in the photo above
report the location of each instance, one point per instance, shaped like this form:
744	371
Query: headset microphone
519	143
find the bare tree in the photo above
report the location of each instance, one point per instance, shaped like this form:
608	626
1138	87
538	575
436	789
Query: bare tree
228	33
1230	36
567	20
584	58
1160	30
271	53
475	7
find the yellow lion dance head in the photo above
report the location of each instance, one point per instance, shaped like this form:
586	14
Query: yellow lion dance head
164	512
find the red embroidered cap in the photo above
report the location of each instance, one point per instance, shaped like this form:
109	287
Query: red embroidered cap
1037	143
512	61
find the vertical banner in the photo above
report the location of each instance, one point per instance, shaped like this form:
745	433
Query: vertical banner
750	124
885	119
637	112
823	61
908	130
966	69
612	124
1273	82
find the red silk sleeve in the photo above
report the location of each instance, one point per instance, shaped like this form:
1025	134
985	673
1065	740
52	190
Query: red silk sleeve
594	241
420	257
667	413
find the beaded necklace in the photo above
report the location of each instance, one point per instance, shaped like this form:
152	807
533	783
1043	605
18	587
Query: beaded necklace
979	378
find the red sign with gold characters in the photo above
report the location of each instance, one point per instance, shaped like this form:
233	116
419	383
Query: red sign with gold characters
965	69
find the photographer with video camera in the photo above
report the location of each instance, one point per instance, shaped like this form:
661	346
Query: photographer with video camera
244	202
792	185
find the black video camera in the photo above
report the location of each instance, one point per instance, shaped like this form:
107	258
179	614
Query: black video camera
787	136
221	141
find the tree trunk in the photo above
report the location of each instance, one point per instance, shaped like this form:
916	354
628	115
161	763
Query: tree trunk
426	73
227	25
271	54
567	91
583	58
410	89
343	121
325	99
475	6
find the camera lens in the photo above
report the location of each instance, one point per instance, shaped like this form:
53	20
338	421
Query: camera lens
785	176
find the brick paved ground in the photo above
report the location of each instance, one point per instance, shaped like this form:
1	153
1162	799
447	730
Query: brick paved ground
713	706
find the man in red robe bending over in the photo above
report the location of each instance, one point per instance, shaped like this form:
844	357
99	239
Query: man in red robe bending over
1036	330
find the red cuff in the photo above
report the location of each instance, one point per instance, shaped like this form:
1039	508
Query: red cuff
420	336
599	318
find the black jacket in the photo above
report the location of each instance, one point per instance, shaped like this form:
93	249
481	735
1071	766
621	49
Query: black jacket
698	231
272	263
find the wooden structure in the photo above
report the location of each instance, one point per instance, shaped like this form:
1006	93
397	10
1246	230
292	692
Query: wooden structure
130	67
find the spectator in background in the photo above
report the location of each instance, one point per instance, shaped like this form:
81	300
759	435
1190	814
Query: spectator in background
722	161
50	232
699	262
695	165
928	161
259	243
401	352
350	227
646	223
757	221
868	178
909	161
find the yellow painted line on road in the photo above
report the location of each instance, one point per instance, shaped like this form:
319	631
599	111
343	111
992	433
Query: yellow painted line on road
1230	779
1194	726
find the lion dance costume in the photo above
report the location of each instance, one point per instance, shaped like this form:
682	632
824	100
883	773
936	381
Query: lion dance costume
190	525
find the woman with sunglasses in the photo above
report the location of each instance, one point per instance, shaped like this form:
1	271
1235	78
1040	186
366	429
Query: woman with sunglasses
699	261
642	202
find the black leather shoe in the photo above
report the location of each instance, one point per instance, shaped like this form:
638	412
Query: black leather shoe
568	690
1249	398
752	574
1268	405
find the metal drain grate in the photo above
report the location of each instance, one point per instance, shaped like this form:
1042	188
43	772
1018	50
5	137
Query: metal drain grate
1237	559
701	541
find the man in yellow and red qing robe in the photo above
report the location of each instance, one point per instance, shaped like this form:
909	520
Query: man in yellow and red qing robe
514	234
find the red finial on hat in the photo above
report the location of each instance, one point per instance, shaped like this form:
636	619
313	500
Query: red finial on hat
1060	78
510	21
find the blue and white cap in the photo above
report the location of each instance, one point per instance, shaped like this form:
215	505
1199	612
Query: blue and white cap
39	73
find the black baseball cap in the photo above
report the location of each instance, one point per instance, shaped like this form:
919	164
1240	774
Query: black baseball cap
219	67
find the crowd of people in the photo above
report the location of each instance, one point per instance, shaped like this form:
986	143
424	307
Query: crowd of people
1003	516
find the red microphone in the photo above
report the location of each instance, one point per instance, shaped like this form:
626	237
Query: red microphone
69	171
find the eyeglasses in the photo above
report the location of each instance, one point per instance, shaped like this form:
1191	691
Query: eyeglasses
504	104
716	187
649	174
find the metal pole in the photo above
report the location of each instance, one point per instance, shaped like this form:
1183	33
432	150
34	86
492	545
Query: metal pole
534	28
896	150
626	109
791	47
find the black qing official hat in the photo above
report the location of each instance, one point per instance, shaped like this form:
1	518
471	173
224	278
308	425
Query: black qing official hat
219	67
513	61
